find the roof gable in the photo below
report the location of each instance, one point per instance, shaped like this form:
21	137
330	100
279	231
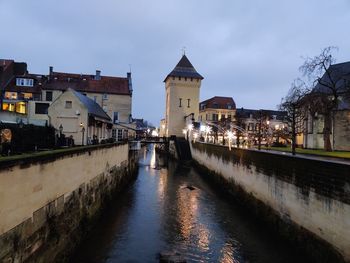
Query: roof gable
184	68
92	107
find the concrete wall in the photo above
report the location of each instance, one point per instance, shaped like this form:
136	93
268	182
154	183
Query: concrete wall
310	199
44	199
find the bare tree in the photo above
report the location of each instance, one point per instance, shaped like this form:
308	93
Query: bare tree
328	85
293	105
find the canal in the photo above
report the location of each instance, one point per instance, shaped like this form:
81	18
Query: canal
170	209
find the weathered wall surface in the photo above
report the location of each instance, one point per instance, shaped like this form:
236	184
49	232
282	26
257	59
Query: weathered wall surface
45	201
309	198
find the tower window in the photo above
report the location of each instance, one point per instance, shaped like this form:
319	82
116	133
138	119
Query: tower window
180	102
185	79
179	78
188	103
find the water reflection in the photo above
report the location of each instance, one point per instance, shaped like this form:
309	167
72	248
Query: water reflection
170	208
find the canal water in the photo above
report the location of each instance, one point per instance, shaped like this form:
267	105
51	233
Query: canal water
171	209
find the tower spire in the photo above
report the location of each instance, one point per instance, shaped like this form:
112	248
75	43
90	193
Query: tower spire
183	51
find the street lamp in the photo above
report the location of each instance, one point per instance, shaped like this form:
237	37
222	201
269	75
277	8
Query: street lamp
82	133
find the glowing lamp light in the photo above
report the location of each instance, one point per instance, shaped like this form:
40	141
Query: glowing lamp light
202	128
190	127
184	131
207	129
230	135
154	133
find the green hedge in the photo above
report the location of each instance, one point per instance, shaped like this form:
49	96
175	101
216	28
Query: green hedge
30	137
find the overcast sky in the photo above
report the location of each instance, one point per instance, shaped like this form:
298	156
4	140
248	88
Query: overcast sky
250	50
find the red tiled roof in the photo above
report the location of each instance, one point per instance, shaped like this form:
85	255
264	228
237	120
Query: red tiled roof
218	103
87	83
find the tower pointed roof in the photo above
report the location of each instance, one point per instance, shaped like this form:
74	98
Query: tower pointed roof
184	69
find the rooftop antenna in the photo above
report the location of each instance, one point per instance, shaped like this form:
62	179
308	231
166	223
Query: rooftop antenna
130	68
183	51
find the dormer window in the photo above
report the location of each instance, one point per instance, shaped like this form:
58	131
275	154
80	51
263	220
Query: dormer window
22	82
229	106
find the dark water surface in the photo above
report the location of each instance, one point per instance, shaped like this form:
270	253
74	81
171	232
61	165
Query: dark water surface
159	212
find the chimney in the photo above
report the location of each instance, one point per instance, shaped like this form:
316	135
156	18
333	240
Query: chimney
50	71
129	82
98	75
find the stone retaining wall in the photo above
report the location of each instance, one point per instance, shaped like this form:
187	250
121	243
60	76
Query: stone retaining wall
46	203
308	201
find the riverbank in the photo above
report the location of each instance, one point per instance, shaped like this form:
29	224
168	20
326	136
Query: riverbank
302	199
49	199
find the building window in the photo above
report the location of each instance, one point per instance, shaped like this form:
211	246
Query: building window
27	96
180	102
229	117
250	126
215	117
105	96
95	98
229	106
21	107
173	78
185	79
68	104
24	82
191	79
41	108
115	117
114	133
8	106
10	95
48	95
104	108
257	126
215	105
179	78
188	103
206	117
120	134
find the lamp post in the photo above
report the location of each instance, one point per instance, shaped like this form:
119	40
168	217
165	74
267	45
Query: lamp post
82	133
20	125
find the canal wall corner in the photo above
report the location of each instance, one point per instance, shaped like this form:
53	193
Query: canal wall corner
305	201
48	204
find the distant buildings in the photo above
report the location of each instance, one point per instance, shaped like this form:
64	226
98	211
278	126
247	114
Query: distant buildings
27	97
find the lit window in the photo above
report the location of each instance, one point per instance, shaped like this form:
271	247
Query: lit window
188	103
21	107
68	104
27	96
10	95
180	102
104	96
8	106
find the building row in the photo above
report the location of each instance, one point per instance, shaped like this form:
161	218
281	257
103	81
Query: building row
86	107
182	86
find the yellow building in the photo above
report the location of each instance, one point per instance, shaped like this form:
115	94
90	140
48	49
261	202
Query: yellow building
79	117
182	86
216	109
